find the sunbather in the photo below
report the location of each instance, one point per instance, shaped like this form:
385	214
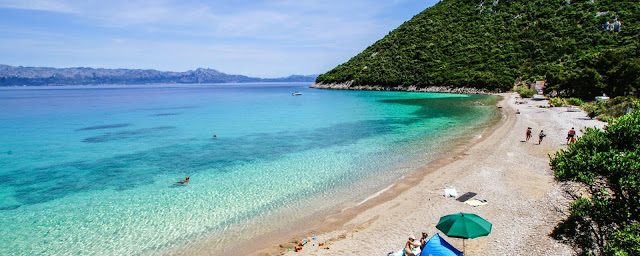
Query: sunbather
408	247
423	240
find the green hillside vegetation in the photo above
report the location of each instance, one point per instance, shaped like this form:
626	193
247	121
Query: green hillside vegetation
495	45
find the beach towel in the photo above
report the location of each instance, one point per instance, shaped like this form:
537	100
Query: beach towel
476	202
466	196
415	251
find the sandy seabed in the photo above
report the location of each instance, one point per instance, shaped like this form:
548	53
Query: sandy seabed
513	175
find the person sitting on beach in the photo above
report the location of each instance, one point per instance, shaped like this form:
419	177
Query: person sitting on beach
186	180
541	136
528	134
423	240
571	136
408	247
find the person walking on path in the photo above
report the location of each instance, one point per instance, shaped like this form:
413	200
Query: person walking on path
571	136
528	134
541	136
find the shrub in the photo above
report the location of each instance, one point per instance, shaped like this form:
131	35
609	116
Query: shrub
609	110
574	101
604	164
526	93
557	102
592	109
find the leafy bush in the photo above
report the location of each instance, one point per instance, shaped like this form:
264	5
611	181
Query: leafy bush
611	109
557	102
526	93
592	109
574	101
626	240
606	165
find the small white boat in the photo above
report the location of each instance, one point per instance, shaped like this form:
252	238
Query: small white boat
296	93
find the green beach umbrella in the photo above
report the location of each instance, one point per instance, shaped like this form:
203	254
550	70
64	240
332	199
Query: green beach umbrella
464	225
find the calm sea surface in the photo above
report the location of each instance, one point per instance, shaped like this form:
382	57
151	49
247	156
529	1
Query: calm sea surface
87	170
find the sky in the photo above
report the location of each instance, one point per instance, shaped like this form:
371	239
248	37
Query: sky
270	38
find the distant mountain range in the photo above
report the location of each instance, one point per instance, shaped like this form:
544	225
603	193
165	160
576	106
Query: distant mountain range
43	76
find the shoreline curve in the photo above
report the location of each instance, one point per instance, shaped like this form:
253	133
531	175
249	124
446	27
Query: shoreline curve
512	174
411	88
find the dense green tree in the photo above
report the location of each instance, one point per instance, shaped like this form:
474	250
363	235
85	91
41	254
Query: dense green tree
609	72
605	217
493	44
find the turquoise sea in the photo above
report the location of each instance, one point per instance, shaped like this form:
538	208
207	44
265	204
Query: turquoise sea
87	170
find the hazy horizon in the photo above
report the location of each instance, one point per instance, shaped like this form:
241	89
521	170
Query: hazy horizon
156	70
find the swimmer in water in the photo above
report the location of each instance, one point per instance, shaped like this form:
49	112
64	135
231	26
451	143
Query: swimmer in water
185	181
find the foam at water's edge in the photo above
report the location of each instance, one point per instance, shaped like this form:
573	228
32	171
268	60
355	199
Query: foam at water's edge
375	195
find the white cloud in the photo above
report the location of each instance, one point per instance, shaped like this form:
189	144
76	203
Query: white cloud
274	38
40	5
269	19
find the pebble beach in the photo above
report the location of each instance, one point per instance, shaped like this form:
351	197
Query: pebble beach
524	203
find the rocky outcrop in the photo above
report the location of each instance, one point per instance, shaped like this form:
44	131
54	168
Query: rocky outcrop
412	88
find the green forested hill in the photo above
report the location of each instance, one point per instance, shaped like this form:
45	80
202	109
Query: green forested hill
496	44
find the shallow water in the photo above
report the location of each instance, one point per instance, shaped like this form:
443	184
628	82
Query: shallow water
87	170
